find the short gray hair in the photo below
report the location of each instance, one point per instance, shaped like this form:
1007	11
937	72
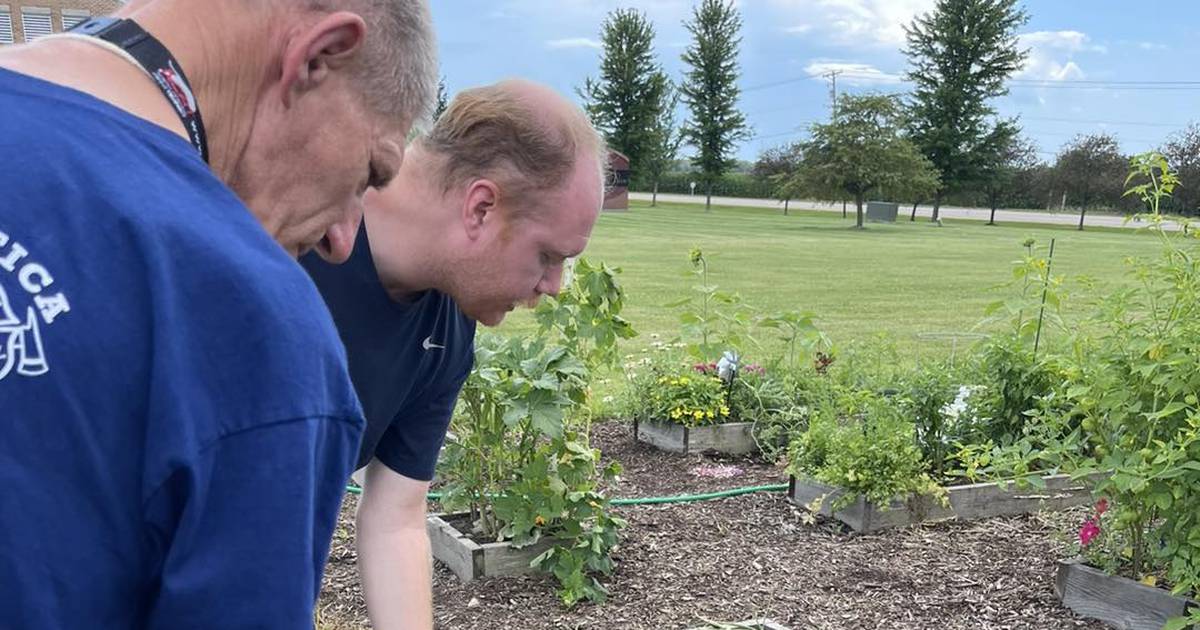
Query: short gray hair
399	69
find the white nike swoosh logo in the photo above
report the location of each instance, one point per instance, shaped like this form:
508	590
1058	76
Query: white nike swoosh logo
429	345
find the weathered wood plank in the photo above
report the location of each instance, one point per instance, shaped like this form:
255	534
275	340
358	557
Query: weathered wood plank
459	553
1117	601
470	560
970	502
504	559
667	436
734	438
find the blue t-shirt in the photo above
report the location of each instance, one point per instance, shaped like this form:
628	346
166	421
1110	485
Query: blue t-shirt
176	420
408	360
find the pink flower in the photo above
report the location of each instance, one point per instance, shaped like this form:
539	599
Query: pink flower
1089	531
1101	507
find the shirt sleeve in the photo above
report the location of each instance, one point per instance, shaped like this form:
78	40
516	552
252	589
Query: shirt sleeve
244	529
411	443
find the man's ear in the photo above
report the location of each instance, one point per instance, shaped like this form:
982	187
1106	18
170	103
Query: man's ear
479	207
322	48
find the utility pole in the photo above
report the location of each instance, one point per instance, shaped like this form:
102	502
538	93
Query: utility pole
832	75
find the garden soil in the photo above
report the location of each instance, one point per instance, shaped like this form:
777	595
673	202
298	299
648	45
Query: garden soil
754	556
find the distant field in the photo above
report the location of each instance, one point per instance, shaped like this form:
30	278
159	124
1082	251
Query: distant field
902	280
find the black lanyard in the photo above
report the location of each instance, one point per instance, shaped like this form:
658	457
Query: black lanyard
160	65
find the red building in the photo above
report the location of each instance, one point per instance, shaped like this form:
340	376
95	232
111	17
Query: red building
616	196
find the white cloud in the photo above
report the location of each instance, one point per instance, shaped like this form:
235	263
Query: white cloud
853	73
798	29
1051	55
1151	46
1070	41
574	42
878	23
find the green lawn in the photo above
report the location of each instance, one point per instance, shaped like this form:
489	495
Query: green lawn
903	279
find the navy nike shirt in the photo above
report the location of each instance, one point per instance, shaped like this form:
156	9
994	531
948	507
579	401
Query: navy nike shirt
408	361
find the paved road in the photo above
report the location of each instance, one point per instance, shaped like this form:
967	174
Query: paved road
950	212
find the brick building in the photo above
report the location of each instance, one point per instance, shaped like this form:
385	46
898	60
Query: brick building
26	20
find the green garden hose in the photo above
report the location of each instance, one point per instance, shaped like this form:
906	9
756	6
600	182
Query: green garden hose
682	498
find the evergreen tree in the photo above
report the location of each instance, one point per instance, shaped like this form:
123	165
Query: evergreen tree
960	56
624	102
711	92
442	100
665	138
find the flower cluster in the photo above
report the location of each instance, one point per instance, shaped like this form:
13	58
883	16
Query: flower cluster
685	397
1091	527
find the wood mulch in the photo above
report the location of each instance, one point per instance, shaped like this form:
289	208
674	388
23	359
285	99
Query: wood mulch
754	556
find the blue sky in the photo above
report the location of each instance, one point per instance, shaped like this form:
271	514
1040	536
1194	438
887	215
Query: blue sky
1078	47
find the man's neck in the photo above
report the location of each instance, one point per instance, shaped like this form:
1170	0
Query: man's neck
221	97
406	238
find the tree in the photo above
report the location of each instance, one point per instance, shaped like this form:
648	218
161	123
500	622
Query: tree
1000	172
710	90
1091	169
665	138
960	56
778	165
1182	151
626	99
442	100
861	150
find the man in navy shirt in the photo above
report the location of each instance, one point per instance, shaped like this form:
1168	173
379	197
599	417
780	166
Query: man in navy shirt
176	419
485	210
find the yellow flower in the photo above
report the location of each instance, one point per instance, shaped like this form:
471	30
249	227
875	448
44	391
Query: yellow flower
676	413
684	380
724	410
710	414
539	521
697	414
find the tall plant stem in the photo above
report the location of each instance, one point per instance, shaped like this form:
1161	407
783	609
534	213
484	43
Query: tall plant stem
1037	338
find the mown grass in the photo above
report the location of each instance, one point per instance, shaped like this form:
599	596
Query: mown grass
902	280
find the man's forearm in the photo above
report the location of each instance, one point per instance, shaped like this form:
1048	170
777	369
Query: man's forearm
396	574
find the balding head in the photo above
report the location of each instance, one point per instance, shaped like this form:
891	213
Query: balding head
522	134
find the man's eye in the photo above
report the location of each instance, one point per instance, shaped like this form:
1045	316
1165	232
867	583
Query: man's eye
374	178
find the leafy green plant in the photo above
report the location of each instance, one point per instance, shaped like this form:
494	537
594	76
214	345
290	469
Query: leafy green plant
870	452
587	316
1136	385
520	462
712	321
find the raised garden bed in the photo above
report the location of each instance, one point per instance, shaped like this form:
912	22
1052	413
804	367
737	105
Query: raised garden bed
470	560
1117	601
733	438
970	502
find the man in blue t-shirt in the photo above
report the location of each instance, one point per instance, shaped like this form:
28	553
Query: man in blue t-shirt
485	210
176	419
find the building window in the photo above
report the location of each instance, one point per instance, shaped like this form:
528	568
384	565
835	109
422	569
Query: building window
6	34
36	22
71	17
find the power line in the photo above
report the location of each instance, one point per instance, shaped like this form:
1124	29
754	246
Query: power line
1106	122
1065	84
